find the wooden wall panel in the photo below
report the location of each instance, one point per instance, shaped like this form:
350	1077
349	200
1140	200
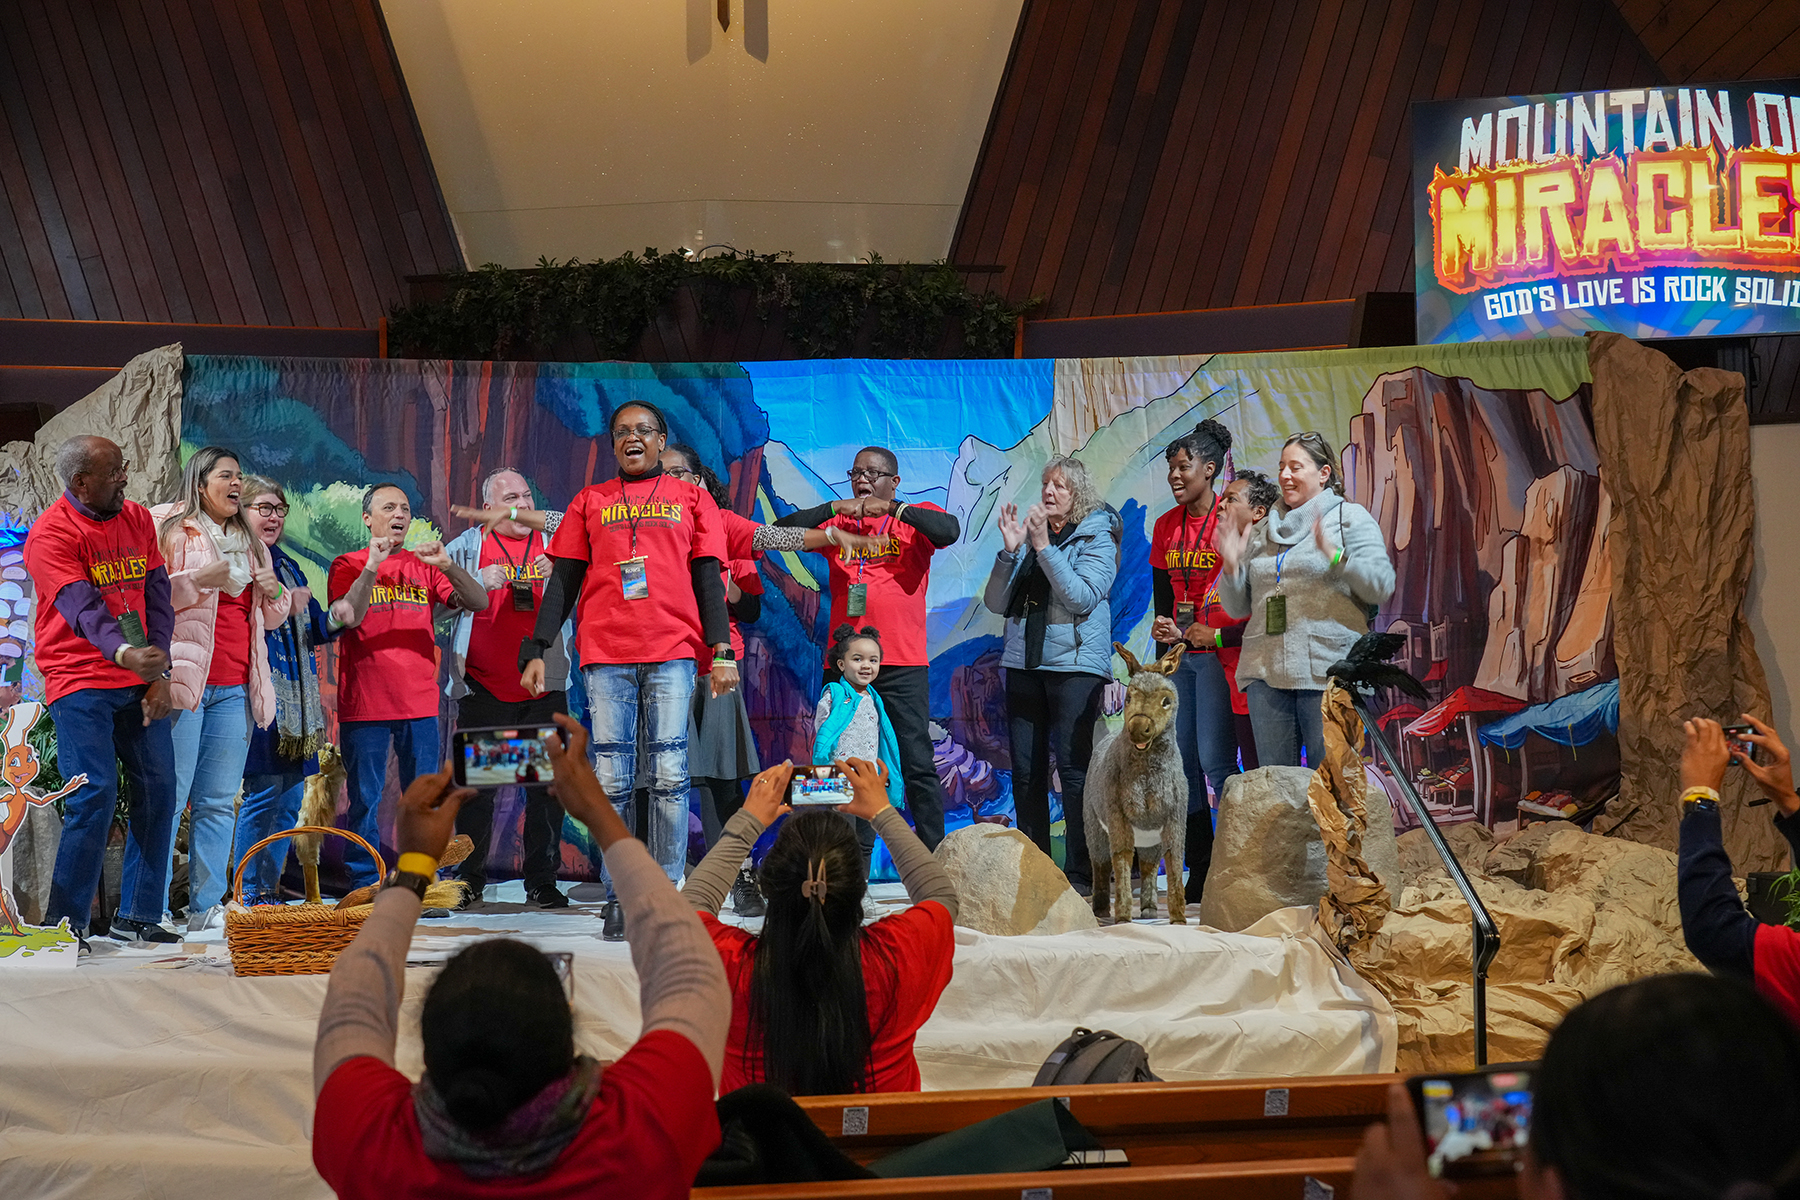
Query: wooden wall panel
1160	155
249	162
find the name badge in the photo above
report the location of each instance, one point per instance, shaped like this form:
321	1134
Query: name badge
1184	614
858	601
633	581
524	597
1275	616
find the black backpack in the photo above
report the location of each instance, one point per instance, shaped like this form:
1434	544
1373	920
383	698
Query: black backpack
1087	1056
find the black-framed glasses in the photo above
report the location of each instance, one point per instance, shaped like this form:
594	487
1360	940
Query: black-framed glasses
865	474
645	432
681	472
270	510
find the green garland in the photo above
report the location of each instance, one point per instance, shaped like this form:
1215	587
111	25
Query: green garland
828	310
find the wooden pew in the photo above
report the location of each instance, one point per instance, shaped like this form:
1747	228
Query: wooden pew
1279	1180
1154	1123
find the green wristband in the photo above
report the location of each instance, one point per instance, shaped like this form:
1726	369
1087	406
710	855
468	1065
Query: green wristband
1337	556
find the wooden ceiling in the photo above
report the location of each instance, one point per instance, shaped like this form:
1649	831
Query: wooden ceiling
1696	41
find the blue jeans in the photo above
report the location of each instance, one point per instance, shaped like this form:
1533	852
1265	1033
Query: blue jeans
365	752
1205	732
1285	720
271	803
211	743
619	696
97	730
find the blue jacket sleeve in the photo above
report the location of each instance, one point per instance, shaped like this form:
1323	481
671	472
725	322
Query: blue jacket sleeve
1080	572
1717	928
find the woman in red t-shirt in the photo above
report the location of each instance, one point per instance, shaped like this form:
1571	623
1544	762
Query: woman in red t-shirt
223	588
820	1004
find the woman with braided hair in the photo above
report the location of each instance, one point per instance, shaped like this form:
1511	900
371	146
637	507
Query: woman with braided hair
820	1003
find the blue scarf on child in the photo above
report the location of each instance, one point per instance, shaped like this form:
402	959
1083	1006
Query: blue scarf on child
844	702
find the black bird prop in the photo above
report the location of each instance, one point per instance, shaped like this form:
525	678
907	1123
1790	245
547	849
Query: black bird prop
1366	666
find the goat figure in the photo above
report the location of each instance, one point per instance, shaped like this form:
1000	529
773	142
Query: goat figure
1137	796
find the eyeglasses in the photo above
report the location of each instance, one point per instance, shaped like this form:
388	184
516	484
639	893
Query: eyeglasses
270	510
863	474
644	432
681	472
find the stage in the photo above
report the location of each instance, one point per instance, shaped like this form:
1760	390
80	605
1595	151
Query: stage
156	1075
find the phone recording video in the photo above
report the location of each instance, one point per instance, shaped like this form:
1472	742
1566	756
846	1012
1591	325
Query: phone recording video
819	785
1475	1123
1739	738
493	757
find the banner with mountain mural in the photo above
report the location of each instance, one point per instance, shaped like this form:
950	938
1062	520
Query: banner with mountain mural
1479	461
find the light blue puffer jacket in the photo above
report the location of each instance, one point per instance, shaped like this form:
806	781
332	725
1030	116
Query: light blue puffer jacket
1078	633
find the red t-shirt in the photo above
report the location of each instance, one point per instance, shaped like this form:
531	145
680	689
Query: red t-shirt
1777	961
387	666
1182	545
493	658
896	574
906	966
231	640
649	1129
114	555
739	568
676	522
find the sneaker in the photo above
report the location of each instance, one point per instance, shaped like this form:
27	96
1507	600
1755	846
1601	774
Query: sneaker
212	918
468	900
82	949
434	914
546	897
612	926
746	896
1083	887
141	932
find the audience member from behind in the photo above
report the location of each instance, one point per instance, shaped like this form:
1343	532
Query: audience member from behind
820	1004
1718	930
102	632
505	1106
1677	1087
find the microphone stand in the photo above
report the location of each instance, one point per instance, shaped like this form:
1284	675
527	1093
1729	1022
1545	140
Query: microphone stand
1487	935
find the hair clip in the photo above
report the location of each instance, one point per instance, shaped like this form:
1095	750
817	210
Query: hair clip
814	887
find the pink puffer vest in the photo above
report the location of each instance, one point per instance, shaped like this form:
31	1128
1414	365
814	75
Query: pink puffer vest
197	611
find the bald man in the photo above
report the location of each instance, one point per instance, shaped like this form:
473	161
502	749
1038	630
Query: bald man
103	624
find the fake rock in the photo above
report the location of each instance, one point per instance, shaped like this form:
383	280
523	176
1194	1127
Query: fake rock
1006	886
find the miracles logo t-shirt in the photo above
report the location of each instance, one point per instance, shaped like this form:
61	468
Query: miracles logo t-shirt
493	658
666	523
116	556
1182	545
896	574
387	666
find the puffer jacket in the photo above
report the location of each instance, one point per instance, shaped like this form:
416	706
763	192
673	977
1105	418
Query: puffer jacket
1078	628
187	549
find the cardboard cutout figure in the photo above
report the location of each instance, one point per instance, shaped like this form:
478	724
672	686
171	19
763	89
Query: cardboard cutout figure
17	770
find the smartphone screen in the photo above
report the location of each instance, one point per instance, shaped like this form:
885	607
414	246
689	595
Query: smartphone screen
819	785
1737	735
1475	1123
493	757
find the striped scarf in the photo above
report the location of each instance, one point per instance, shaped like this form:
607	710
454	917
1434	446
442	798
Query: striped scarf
299	716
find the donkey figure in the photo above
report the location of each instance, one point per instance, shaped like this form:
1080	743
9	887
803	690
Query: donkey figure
1137	796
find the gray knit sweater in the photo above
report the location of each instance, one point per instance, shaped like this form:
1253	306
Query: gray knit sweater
1325	603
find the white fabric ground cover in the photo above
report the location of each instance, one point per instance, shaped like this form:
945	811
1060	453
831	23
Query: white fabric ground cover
134	1076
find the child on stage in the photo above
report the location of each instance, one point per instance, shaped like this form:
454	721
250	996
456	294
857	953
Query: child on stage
851	722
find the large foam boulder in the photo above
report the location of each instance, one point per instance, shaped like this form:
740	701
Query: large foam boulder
1267	853
1006	886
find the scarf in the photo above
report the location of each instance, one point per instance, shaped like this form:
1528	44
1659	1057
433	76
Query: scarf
1030	598
844	702
1291	526
299	717
529	1140
234	547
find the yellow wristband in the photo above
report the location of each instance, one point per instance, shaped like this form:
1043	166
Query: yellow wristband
1701	791
417	863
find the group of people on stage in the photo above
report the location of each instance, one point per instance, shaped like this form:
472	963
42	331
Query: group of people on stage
194	611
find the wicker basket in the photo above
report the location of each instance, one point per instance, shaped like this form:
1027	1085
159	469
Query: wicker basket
291	939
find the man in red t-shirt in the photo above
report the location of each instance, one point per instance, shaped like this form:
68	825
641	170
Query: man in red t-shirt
512	562
387	657
885	587
102	626
638	558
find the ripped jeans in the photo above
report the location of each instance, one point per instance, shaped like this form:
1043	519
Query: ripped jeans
619	696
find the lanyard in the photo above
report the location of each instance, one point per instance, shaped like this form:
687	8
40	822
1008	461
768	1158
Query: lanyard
631	522
886	523
524	557
1187	566
1279	559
